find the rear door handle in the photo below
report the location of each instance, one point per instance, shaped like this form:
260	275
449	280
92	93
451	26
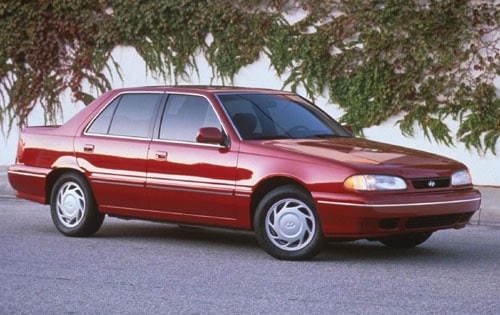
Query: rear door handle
88	148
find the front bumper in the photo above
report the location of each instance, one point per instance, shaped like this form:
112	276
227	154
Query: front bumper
382	214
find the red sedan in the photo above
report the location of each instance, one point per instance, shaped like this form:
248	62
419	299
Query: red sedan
255	159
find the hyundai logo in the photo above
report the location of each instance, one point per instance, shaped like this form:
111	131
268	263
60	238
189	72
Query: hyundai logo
431	184
290	225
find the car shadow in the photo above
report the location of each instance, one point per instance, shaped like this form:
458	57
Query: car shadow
374	251
361	250
178	232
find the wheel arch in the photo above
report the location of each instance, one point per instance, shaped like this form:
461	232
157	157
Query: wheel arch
55	175
266	186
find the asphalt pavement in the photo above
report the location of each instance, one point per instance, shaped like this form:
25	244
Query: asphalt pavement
488	215
137	267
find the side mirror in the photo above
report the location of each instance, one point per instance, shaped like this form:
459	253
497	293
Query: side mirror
210	135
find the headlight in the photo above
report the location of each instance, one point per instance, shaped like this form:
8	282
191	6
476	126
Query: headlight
461	177
374	182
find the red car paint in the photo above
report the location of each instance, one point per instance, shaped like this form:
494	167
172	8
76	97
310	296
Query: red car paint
220	185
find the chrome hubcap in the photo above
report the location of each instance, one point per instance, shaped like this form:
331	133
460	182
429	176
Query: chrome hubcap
70	204
290	224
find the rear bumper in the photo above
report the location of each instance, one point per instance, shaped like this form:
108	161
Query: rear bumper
380	215
29	182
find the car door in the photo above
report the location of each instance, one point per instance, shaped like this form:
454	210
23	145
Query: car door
113	151
190	181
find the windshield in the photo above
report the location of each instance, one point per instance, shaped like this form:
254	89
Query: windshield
278	116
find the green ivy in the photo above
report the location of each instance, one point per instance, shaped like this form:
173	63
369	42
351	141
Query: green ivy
424	60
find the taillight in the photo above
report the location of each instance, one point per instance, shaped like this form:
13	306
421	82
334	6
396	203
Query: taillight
20	151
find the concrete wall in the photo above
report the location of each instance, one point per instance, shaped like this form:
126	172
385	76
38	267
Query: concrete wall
485	169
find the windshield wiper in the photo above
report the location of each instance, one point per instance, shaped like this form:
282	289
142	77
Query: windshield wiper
324	136
271	137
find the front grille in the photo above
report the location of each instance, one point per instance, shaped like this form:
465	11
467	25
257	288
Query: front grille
429	183
438	220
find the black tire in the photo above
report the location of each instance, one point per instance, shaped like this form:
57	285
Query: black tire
405	240
73	207
287	225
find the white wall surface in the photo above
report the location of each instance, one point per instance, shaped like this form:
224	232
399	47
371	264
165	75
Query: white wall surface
485	169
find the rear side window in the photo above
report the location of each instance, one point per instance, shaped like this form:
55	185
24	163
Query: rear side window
101	124
129	115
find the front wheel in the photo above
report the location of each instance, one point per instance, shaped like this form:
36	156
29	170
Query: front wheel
405	240
287	225
73	207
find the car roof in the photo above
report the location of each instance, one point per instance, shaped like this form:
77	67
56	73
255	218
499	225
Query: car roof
202	89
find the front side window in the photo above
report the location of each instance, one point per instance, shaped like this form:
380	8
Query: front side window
129	115
183	117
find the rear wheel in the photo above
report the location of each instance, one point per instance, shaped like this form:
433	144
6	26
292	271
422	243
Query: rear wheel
287	225
73	207
406	240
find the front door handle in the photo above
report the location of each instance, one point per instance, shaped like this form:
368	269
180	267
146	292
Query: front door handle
161	155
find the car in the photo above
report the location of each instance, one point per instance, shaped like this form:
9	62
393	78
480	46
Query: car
241	158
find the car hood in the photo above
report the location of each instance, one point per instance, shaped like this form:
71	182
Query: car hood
366	154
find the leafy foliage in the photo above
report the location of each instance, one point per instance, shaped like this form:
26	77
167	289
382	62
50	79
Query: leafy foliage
425	60
47	48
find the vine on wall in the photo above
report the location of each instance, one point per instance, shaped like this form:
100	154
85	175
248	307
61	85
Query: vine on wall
424	59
